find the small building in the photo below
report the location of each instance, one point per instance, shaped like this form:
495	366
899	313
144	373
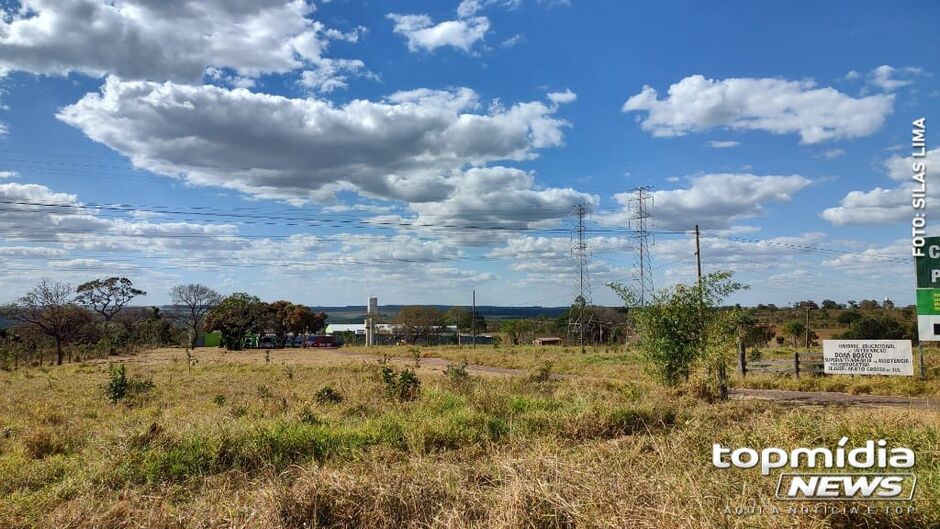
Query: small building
355	328
549	340
359	329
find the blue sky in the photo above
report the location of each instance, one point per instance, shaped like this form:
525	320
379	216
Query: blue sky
418	150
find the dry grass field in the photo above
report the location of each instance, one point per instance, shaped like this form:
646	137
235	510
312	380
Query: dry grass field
240	440
618	364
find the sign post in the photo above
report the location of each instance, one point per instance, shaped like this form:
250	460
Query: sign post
868	357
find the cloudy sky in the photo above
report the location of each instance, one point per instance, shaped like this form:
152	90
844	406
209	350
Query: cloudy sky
323	152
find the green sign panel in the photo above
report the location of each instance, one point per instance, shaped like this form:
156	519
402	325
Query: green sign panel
928	291
928	301
928	267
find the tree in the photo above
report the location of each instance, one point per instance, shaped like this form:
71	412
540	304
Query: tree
150	327
418	321
515	329
876	328
868	304
806	305
47	307
795	331
235	316
849	316
29	340
107	296
683	324
286	317
80	328
753	333
829	304
196	301
465	319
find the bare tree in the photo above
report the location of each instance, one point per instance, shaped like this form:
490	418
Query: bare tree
418	321
107	296
49	308
196	299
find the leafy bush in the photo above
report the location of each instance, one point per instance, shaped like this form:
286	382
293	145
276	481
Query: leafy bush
409	386
680	324
876	328
404	385
457	373
120	387
848	317
542	373
328	395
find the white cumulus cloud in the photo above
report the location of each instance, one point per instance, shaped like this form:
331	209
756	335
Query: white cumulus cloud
423	34
179	40
889	78
413	146
778	106
885	205
713	201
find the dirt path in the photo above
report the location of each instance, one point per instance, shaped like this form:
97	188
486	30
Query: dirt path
832	398
332	357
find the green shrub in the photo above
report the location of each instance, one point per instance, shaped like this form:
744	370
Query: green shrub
457	373
120	387
405	386
116	388
328	395
409	386
542	373
683	324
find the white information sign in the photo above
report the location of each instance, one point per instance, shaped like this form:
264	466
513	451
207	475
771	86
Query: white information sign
868	357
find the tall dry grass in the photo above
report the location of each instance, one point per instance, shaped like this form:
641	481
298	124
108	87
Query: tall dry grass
251	445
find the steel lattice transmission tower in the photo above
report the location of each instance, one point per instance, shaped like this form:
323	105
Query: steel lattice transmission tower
579	318
640	205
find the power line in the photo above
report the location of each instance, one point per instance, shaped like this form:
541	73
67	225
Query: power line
807	248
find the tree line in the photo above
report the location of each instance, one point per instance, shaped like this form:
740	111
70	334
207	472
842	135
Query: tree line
96	319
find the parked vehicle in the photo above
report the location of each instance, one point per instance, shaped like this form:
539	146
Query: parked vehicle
322	340
293	341
268	342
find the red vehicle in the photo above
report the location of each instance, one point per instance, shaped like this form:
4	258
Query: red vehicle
322	340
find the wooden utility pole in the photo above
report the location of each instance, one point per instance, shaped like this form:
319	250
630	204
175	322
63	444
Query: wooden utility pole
473	319
698	257
806	331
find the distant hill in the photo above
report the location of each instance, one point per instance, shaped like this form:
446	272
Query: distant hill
356	313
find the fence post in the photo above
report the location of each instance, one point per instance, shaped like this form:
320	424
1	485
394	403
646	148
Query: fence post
923	368
796	363
742	359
